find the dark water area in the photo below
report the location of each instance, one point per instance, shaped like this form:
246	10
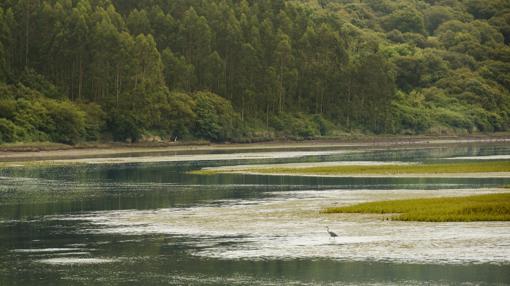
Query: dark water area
39	245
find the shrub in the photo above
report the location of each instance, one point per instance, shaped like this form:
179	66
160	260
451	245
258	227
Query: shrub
216	118
8	108
326	127
453	119
68	121
31	79
297	125
9	132
95	121
125	126
178	115
412	118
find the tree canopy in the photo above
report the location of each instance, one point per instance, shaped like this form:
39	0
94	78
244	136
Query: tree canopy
244	70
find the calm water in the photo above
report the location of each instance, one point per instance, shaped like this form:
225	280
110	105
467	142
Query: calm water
153	223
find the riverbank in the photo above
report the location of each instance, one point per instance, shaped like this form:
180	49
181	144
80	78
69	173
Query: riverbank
50	151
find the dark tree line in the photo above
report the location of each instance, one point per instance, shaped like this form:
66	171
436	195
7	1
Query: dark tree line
251	70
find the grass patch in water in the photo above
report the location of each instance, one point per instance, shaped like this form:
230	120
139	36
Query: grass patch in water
397	169
493	207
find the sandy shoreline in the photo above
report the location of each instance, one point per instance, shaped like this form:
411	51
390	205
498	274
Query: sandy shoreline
119	152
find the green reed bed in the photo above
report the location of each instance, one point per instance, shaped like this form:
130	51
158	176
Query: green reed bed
397	169
493	207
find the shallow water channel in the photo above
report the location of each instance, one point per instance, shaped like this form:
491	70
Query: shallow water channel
147	222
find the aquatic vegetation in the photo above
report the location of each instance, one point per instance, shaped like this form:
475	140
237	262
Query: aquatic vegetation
492	207
395	169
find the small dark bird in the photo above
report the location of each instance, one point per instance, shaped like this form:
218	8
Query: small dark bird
331	234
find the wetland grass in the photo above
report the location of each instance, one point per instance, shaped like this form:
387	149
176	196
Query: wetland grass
440	168
394	169
492	207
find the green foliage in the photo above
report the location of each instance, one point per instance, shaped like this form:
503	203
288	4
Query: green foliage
9	132
252	70
216	118
411	120
404	20
138	22
68	122
485	9
433	111
296	125
124	127
94	121
437	15
30	78
325	126
27	115
498	72
179	75
177	116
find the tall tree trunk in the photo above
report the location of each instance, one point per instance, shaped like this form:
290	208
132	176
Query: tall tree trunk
27	26
117	86
267	116
71	80
80	79
242	106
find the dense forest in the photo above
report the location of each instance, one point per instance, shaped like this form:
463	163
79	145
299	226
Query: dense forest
249	70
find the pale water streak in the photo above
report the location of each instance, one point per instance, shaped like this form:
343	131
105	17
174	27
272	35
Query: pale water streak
489	157
76	261
44	250
289	226
204	157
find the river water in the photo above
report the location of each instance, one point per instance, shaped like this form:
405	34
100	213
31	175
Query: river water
140	221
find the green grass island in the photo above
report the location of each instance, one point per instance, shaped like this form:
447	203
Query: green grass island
489	207
454	168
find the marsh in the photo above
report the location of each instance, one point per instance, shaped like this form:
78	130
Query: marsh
152	222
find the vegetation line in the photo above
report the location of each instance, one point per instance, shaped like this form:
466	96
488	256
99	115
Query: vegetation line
493	207
444	168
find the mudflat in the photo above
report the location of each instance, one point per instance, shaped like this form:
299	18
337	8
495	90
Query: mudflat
13	154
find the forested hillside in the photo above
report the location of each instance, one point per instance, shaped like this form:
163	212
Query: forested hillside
246	70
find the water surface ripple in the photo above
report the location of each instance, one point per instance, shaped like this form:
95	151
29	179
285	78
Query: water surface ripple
149	221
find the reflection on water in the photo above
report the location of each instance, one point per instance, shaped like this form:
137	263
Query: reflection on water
155	224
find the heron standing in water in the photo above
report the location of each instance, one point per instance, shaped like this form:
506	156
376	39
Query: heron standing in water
331	234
